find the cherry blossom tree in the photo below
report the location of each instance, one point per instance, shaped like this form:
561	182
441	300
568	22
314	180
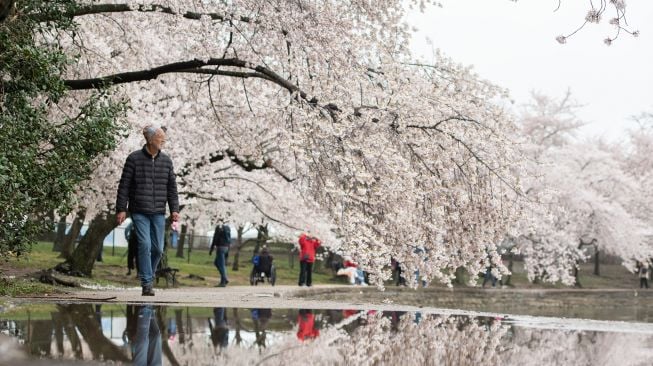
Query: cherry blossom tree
583	196
399	154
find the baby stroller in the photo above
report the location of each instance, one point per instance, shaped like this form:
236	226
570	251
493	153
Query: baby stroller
263	269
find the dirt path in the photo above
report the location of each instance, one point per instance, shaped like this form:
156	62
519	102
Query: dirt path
477	301
231	296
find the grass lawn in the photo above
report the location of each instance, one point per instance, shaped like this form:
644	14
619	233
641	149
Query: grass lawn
113	269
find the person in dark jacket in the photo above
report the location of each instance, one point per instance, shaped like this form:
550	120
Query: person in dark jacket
147	183
221	241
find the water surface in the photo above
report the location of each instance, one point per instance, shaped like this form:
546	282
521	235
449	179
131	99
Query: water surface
157	335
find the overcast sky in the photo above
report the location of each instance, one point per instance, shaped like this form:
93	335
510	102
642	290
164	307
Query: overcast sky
513	45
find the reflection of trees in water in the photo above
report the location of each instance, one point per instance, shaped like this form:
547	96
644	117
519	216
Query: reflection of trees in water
571	347
345	337
379	339
426	340
79	325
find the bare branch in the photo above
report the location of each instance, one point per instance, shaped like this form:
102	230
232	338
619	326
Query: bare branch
270	217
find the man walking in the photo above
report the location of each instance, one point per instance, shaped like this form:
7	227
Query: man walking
146	185
221	241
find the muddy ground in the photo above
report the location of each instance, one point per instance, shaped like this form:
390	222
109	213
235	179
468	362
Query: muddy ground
604	304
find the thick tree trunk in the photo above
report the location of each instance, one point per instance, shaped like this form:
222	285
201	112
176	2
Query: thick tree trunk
181	241
84	318
596	261
84	256
61	235
69	241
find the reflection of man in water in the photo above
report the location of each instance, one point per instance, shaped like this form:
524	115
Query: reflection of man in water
306	325
219	328
261	317
147	342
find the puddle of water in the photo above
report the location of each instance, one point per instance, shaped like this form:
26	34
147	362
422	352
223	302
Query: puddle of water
156	335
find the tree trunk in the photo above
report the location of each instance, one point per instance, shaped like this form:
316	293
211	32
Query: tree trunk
509	277
58	332
179	319
71	333
577	276
596	261
261	237
291	257
73	234
182	241
84	256
6	9
61	235
238	338
40	340
91	330
191	240
237	247
459	276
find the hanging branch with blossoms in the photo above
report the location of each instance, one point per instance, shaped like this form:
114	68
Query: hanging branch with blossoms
597	12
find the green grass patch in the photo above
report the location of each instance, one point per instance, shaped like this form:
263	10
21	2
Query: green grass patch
14	287
112	271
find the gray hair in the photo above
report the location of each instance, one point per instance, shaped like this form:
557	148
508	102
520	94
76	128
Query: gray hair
151	131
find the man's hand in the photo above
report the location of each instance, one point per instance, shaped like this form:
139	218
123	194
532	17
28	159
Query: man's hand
120	217
174	216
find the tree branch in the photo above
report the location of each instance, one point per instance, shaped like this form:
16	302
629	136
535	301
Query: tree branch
154	8
247	165
270	217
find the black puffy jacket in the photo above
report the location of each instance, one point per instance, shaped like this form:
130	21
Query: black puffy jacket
147	183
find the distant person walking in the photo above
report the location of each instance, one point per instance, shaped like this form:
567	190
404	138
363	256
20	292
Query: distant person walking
147	183
643	272
307	245
221	241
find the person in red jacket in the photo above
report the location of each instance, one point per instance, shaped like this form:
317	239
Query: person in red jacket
307	245
306	325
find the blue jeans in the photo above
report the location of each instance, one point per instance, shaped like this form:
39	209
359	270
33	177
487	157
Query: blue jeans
149	230
220	263
147	343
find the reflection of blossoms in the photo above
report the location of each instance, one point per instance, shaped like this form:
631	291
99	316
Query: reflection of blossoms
435	340
553	347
